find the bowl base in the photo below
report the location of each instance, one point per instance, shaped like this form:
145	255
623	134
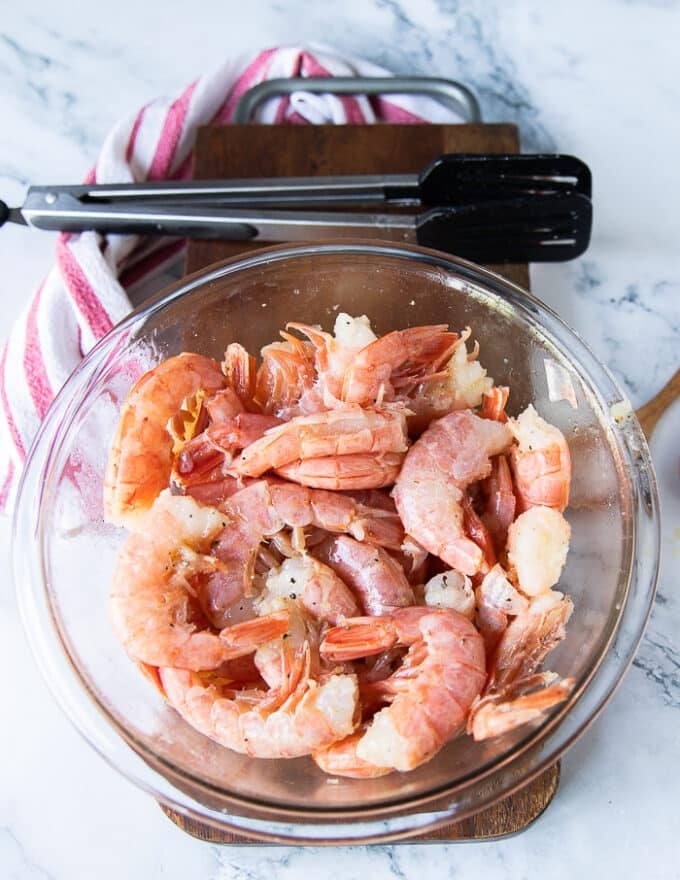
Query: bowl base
509	816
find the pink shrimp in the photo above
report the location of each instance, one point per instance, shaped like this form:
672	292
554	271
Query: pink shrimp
286	374
493	717
361	470
263	509
500	506
201	467
495	599
476	530
523	647
140	461
538	542
451	454
316	586
541	462
460	383
223	406
493	403
373	575
332	357
398	361
294	717
411	556
155	604
429	695
200	464
333	433
380	500
240	369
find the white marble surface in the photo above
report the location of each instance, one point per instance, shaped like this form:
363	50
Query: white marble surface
596	79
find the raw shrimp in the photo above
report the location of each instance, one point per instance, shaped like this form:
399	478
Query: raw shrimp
371	573
154	604
538	541
461	384
494	718
333	433
523	647
397	361
296	716
321	592
201	467
332	357
141	454
476	530
429	695
223	405
500	506
240	369
361	470
493	403
267	506
541	462
286	374
495	599
451	454
450	589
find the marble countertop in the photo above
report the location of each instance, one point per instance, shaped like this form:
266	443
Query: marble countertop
597	80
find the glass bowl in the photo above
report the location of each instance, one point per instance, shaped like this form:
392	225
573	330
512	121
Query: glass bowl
67	551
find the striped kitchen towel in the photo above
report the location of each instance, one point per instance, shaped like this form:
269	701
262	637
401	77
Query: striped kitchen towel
86	291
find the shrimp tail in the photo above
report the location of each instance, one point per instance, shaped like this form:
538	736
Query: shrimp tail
240	369
490	718
341	759
358	637
243	638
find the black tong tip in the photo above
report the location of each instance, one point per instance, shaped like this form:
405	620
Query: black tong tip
553	228
466	177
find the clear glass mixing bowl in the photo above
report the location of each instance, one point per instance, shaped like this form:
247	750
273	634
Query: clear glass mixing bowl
64	551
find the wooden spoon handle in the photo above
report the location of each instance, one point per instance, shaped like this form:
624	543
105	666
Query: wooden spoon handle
649	414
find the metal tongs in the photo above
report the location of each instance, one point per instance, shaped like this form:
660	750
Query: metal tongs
494	208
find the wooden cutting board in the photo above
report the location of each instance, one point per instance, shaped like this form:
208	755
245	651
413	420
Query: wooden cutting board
269	151
294	150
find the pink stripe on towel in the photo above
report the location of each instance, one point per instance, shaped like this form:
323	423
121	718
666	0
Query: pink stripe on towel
34	366
81	291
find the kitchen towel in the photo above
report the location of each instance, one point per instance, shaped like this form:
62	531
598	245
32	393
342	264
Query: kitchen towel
86	291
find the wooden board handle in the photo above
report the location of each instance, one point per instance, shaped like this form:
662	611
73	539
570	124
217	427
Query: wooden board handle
649	414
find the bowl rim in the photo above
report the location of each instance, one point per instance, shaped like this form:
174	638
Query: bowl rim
644	495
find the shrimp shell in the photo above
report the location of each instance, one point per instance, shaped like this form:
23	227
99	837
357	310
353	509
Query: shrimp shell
541	463
364	470
372	574
296	716
332	433
397	360
451	454
430	694
140	461
153	604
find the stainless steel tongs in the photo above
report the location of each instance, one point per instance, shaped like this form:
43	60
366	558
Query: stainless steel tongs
485	207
